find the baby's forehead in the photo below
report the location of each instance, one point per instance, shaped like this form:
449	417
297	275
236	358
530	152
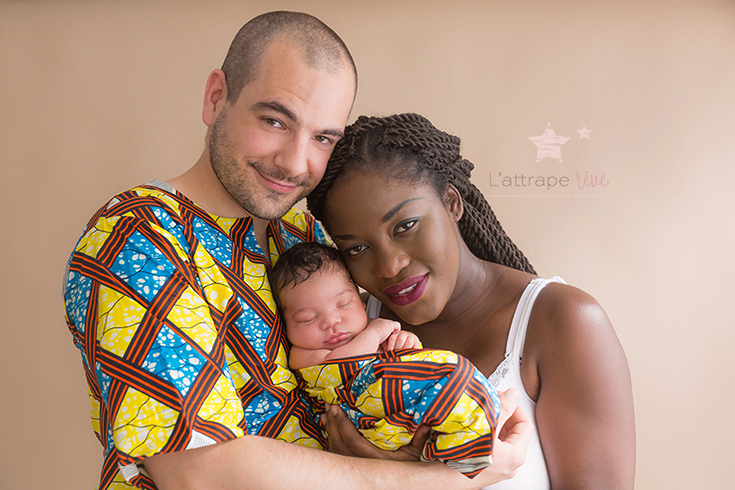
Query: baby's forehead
327	275
319	279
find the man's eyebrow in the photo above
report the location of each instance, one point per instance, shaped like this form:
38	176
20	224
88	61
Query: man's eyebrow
397	208
279	108
275	107
333	132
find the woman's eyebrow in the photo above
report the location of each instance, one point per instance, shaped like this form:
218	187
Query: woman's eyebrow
397	208
392	212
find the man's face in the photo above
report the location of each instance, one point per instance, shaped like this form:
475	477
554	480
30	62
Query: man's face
270	148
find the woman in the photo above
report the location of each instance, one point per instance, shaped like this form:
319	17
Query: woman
421	239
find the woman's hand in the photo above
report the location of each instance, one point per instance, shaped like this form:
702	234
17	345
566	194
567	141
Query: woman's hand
513	433
345	439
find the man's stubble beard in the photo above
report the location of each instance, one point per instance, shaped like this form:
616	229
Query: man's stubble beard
232	175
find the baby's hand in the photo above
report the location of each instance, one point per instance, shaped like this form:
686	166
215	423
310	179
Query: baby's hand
384	328
402	340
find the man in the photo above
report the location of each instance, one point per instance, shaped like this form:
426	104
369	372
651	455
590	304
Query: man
168	301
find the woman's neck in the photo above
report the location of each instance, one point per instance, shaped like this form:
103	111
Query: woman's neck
476	320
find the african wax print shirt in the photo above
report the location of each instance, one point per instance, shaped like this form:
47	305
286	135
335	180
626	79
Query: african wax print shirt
181	341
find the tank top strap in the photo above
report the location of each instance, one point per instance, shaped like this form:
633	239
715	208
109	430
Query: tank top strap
373	307
519	324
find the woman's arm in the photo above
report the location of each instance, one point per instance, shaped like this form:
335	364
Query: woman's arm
584	411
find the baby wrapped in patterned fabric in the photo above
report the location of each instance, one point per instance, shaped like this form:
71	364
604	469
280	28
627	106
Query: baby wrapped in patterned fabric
375	371
389	395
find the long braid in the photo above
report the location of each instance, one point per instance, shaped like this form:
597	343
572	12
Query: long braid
408	146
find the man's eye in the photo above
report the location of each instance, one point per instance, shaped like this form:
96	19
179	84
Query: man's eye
324	140
273	122
355	250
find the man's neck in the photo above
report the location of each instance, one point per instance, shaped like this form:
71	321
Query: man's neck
201	185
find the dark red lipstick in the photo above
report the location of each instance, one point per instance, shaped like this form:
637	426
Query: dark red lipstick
407	291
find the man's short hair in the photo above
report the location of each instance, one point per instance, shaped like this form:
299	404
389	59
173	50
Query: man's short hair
323	48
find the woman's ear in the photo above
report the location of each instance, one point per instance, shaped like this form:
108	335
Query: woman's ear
453	201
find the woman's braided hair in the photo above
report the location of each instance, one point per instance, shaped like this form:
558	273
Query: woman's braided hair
408	147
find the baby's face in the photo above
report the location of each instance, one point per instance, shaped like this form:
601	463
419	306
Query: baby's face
323	312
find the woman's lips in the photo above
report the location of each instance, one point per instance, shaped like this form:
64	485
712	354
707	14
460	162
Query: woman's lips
407	291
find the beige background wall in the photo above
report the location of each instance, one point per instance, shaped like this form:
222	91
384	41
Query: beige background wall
98	96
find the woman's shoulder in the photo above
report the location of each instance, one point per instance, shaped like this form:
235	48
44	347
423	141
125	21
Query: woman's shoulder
567	322
560	304
566	319
570	341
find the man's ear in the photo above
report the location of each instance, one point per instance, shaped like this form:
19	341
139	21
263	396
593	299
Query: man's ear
454	204
215	97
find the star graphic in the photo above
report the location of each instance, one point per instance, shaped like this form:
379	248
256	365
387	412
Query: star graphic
549	144
584	133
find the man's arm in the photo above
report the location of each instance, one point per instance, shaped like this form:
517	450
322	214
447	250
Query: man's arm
261	463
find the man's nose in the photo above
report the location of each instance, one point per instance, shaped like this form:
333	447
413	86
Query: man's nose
293	158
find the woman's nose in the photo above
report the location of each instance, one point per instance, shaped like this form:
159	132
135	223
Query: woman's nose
390	261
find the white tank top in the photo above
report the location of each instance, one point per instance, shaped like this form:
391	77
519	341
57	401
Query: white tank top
532	475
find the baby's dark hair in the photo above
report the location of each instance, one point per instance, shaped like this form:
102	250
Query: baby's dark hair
408	148
299	262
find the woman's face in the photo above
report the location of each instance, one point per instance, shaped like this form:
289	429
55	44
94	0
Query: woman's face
400	242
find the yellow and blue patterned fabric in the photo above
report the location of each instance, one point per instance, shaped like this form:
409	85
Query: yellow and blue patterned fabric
180	338
387	396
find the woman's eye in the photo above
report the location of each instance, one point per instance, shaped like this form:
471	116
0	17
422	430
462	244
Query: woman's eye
355	250
406	225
